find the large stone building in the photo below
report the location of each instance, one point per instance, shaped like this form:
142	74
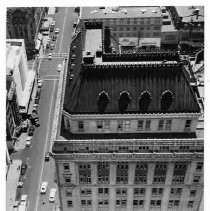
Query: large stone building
17	68
126	134
24	23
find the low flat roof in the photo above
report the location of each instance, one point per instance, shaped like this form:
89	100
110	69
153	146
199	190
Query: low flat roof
93	40
184	11
119	12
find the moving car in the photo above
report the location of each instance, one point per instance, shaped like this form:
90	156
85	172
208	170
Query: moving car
44	186
59	67
47	156
52	194
23	169
57	31
50	56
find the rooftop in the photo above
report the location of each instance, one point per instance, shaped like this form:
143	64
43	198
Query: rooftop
119	12
187	11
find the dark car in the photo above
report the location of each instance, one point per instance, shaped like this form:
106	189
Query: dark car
47	156
54	38
23	169
31	131
37	122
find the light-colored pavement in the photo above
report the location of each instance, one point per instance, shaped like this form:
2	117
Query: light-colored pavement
11	183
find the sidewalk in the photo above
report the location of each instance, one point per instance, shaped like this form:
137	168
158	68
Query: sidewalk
11	184
21	142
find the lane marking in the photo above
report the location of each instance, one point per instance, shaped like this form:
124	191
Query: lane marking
63	29
46	139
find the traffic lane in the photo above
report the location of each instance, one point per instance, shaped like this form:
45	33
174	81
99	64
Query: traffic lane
36	152
66	36
48	176
48	122
50	67
64	22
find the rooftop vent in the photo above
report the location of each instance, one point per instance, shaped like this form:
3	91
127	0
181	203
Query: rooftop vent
143	11
94	11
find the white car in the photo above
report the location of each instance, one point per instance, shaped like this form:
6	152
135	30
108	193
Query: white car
44	187
53	23
50	56
48	39
52	194
59	67
24	198
57	31
28	143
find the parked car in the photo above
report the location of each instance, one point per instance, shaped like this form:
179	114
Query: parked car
31	131
28	142
20	184
36	100
57	31
16	205
75	24
50	56
39	84
43	188
52	46
59	67
52	194
24	198
47	156
37	122
54	38
23	169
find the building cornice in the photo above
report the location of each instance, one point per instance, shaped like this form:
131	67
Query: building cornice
129	156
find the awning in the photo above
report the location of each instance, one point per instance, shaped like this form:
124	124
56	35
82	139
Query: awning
128	41
149	42
38	44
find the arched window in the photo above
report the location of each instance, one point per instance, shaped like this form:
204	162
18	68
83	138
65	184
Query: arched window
102	101
144	101
124	100
166	100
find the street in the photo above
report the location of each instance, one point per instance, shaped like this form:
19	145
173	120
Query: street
39	170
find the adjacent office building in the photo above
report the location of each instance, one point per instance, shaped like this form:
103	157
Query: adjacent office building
127	134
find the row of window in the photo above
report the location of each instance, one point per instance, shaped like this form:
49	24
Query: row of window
142	125
140	176
136	203
136	192
134	28
135	34
141	21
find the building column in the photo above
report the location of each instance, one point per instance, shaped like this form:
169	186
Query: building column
73	172
94	199
189	173
147	197
169	173
167	188
112	198
112	173
94	173
150	173
130	198
131	173
165	198
184	197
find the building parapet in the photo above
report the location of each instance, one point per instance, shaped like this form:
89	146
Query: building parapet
131	116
